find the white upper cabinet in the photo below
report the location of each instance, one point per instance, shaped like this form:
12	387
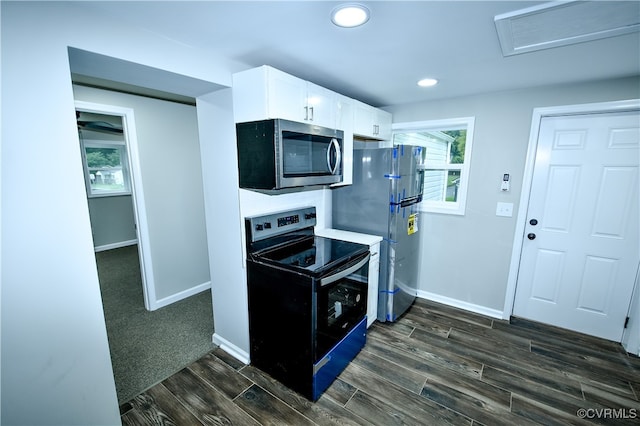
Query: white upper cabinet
370	122
265	92
382	121
285	95
321	106
344	122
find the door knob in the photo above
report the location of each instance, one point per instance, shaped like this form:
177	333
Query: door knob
533	222
531	236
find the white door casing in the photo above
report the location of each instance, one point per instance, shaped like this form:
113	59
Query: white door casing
578	271
137	194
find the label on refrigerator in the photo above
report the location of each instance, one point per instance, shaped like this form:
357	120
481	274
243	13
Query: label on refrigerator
412	227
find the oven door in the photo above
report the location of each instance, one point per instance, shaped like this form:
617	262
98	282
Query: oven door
341	303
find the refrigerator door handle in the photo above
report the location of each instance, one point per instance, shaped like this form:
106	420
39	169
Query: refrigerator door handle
411	201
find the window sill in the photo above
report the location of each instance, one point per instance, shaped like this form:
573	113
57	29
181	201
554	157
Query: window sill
110	194
457	210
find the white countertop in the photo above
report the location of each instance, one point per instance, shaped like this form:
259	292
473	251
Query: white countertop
354	237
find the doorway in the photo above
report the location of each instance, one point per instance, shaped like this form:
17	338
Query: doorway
107	180
146	345
578	244
112	178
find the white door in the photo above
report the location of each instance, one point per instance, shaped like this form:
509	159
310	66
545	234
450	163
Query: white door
581	247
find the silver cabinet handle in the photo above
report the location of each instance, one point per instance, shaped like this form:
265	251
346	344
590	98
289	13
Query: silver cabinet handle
308	113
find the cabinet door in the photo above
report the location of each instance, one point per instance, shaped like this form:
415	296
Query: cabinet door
250	95
320	106
298	100
371	122
382	120
363	119
265	92
287	96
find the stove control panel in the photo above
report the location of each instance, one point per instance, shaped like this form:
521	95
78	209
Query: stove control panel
273	224
288	220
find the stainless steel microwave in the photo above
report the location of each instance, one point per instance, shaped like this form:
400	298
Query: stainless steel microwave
276	154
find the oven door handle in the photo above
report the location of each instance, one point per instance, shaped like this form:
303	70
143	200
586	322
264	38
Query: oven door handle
344	273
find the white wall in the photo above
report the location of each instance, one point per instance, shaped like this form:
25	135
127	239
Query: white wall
112	221
222	206
55	366
466	259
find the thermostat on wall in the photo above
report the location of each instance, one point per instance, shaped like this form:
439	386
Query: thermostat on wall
505	182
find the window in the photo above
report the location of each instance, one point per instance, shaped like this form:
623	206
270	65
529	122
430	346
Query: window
105	159
448	155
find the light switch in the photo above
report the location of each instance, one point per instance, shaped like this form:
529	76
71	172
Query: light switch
504	209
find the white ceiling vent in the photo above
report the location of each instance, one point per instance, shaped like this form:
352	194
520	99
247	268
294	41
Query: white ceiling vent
556	24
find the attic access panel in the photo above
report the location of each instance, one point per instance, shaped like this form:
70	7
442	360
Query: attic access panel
563	23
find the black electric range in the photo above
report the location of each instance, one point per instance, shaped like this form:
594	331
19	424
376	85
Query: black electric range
307	300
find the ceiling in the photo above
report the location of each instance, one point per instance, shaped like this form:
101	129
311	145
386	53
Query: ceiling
380	62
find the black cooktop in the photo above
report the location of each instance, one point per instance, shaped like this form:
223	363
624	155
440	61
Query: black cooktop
312	254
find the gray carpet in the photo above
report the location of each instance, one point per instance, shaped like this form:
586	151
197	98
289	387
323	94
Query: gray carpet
147	347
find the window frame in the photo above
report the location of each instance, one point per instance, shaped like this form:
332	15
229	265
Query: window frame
124	159
447	207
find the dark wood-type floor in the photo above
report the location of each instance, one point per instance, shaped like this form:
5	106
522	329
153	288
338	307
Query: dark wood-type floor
436	365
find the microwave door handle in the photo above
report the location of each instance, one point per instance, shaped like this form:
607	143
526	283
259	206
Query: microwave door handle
345	273
335	145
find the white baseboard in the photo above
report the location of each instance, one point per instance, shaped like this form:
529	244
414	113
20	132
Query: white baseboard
180	295
115	245
478	309
231	349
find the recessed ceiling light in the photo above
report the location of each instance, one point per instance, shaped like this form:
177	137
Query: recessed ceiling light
350	15
427	82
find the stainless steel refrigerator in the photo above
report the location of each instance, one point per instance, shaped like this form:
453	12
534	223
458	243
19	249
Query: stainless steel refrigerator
383	200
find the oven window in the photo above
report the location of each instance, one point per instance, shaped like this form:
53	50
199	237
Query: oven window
340	306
